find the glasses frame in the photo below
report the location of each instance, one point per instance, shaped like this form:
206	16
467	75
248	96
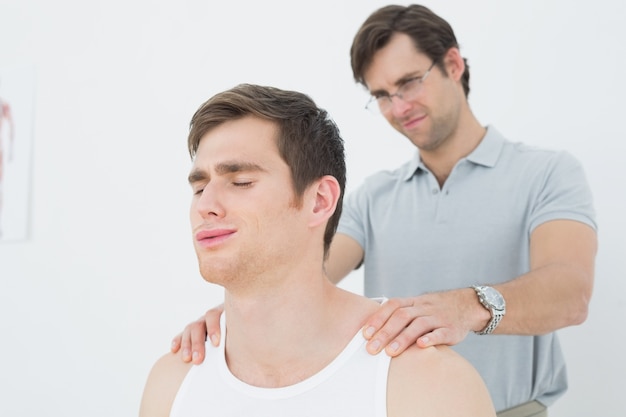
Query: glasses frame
387	98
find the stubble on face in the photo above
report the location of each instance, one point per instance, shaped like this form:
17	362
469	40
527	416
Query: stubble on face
437	104
264	216
442	128
263	253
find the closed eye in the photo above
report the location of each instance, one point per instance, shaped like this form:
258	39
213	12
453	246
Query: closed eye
242	184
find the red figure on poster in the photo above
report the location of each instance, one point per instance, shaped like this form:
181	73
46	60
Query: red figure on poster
6	122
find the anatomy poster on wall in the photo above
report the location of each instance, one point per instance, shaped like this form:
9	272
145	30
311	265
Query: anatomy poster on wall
17	93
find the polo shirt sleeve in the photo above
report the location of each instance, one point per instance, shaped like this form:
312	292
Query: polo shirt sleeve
564	194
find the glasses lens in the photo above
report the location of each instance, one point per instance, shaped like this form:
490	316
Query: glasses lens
410	89
376	105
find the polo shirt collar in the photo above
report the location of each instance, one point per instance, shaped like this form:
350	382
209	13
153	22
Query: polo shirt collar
488	150
412	166
486	153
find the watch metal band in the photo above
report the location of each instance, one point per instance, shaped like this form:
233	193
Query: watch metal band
496	312
493	323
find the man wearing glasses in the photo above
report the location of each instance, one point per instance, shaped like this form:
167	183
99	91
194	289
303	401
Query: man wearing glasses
262	224
479	242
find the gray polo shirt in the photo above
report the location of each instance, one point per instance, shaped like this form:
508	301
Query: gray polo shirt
419	238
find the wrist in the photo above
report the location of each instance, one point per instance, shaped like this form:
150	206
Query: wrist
481	316
492	302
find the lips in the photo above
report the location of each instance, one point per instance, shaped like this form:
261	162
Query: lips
214	237
413	122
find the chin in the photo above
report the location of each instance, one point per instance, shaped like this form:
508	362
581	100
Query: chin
214	272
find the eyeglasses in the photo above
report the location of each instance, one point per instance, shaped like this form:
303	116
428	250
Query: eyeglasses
407	91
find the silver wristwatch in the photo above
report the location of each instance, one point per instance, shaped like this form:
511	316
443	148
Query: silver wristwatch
494	302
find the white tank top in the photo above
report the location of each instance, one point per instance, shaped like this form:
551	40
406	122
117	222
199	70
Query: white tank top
353	384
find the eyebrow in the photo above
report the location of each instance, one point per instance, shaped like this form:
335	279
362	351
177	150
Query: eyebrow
398	83
198	175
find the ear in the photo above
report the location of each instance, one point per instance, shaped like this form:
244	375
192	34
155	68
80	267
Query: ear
326	192
454	64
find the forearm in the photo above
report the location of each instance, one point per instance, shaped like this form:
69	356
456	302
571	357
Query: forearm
545	300
557	290
554	294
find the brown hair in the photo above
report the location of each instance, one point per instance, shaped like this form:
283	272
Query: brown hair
308	139
431	35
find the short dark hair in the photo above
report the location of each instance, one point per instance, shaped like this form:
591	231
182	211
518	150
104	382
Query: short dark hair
308	139
431	35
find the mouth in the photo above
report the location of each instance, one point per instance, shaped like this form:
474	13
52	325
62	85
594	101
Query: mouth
413	122
212	238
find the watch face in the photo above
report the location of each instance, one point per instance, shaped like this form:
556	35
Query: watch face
494	298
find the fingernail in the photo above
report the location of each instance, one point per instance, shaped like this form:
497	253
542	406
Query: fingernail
174	343
185	353
369	332
394	347
195	355
425	340
375	345
215	340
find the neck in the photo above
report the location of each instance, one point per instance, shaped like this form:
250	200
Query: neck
285	337
460	142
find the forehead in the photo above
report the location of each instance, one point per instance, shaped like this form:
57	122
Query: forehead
247	138
396	60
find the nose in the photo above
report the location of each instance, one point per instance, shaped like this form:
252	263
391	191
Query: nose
209	204
399	106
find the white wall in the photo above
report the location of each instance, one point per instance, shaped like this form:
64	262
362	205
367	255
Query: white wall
108	275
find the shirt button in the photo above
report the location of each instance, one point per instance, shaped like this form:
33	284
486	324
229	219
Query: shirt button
435	191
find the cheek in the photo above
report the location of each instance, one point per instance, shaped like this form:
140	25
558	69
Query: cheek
269	219
393	122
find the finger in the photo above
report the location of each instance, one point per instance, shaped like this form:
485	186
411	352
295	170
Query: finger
396	324
185	344
377	320
409	335
175	346
212	323
197	335
440	336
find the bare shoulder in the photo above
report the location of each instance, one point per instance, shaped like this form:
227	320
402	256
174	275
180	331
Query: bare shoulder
437	382
164	380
